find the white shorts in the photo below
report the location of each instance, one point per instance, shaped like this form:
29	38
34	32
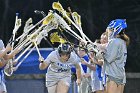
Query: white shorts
96	84
52	81
3	87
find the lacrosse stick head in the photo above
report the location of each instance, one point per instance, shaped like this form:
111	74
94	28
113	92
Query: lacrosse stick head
8	70
57	6
48	18
53	24
28	25
77	18
54	37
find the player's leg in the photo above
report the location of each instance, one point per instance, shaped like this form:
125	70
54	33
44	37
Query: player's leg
52	89
63	87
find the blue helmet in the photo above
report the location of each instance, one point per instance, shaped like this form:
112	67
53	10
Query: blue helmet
117	25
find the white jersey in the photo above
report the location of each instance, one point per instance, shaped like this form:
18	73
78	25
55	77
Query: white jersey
115	58
2	80
1	45
1	59
58	70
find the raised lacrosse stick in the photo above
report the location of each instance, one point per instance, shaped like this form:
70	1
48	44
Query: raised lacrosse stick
48	18
17	66
17	25
58	6
16	60
38	39
27	26
55	38
8	68
65	26
36	34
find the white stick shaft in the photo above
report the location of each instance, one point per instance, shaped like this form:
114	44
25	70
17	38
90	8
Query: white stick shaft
25	57
23	52
80	30
37	50
33	27
33	34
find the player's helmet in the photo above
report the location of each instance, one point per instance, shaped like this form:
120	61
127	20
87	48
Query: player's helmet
64	48
117	26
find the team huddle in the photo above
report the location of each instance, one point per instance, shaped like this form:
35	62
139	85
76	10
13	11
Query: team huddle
99	65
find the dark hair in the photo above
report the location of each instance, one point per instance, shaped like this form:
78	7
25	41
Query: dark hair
124	37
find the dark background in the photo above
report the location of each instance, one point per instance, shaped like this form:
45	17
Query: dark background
95	14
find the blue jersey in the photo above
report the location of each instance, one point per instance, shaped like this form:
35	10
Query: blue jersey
84	67
99	71
2	75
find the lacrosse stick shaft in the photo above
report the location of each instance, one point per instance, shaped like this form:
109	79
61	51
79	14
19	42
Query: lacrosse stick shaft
80	30
64	25
23	52
37	50
24	58
57	6
30	36
34	26
49	42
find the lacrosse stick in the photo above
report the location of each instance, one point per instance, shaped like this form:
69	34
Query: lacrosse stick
37	34
37	49
65	26
27	26
36	39
17	25
58	6
55	38
46	19
8	68
17	66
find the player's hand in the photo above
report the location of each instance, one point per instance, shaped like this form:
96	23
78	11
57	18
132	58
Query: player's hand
8	47
78	81
41	59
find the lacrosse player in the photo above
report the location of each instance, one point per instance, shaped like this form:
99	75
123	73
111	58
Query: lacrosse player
3	52
115	56
85	86
59	64
97	74
4	57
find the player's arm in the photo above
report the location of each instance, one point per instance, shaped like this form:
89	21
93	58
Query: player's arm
4	51
78	73
2	63
88	64
12	54
43	64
